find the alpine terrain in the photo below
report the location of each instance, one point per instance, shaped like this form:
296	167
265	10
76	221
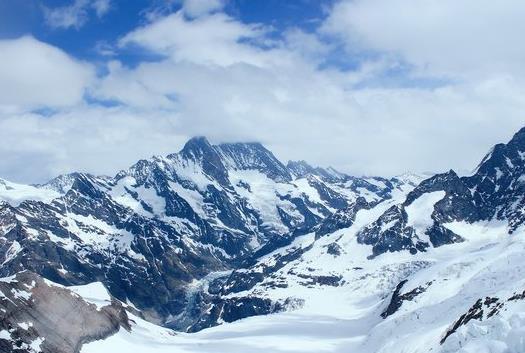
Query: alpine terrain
224	248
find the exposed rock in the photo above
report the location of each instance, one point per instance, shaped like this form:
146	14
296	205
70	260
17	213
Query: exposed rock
391	233
341	219
42	317
334	249
483	308
397	298
236	308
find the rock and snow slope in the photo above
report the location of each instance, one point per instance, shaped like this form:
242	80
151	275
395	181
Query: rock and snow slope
37	315
424	297
150	231
16	193
218	234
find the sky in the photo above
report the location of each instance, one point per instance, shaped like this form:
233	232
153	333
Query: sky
370	87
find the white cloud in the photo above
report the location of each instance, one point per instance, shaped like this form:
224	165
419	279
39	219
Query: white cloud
458	39
130	87
304	113
298	115
34	74
196	8
89	139
229	81
307	45
101	7
216	39
76	14
230	90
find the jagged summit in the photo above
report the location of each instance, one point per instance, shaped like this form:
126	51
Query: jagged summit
62	183
253	155
219	232
197	147
218	159
249	144
519	136
301	168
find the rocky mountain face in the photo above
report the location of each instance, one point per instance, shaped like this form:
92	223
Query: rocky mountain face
39	316
217	233
495	191
414	220
150	231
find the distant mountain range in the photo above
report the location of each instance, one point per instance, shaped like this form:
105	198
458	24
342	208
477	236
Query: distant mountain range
217	233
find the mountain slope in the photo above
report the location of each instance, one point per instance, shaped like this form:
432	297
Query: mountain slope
37	315
437	268
152	230
494	192
219	233
397	302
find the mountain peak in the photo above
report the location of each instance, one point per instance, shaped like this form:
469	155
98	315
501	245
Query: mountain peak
300	168
505	158
253	155
519	135
61	183
202	152
301	163
198	139
196	146
250	144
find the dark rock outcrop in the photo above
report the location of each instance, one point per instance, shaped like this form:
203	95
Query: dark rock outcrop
42	317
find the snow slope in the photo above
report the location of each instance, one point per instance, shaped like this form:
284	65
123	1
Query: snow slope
344	264
14	193
346	317
94	293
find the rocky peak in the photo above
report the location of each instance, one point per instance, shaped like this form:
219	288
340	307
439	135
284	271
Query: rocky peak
504	159
196	148
448	182
86	184
61	183
519	137
253	156
300	168
142	171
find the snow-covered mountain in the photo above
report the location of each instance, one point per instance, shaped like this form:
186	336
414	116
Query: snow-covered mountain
218	233
151	230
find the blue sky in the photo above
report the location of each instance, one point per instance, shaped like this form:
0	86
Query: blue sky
19	18
366	86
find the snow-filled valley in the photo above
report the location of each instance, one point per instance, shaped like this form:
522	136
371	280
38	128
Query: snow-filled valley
222	248
347	318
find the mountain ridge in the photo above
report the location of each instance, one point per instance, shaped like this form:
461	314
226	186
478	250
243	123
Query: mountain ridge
218	233
205	208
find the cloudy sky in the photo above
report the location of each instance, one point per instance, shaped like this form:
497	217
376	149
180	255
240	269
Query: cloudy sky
367	86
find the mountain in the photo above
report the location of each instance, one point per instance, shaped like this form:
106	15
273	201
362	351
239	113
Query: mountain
435	268
152	229
39	316
14	193
218	233
495	191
